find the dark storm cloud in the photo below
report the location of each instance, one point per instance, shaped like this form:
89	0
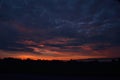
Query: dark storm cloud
46	22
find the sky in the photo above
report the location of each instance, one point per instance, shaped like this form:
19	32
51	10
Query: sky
59	29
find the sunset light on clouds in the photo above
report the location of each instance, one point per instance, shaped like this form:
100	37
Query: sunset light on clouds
59	29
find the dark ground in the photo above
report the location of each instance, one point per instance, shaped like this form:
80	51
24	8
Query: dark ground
39	77
16	69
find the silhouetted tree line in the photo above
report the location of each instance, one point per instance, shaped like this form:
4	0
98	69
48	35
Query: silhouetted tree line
71	67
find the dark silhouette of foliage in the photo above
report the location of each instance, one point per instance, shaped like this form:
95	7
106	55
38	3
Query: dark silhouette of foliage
56	67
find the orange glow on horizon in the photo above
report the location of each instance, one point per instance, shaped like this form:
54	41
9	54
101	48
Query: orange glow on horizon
23	57
57	55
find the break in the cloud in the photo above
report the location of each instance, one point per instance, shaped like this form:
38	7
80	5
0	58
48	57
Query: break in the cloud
59	29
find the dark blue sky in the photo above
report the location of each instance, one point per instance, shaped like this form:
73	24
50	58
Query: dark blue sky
59	29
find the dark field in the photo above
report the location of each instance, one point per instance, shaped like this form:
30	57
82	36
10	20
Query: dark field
95	69
39	77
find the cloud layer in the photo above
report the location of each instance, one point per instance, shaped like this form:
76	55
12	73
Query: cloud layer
59	29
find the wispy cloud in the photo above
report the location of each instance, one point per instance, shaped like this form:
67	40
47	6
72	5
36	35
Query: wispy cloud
59	29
